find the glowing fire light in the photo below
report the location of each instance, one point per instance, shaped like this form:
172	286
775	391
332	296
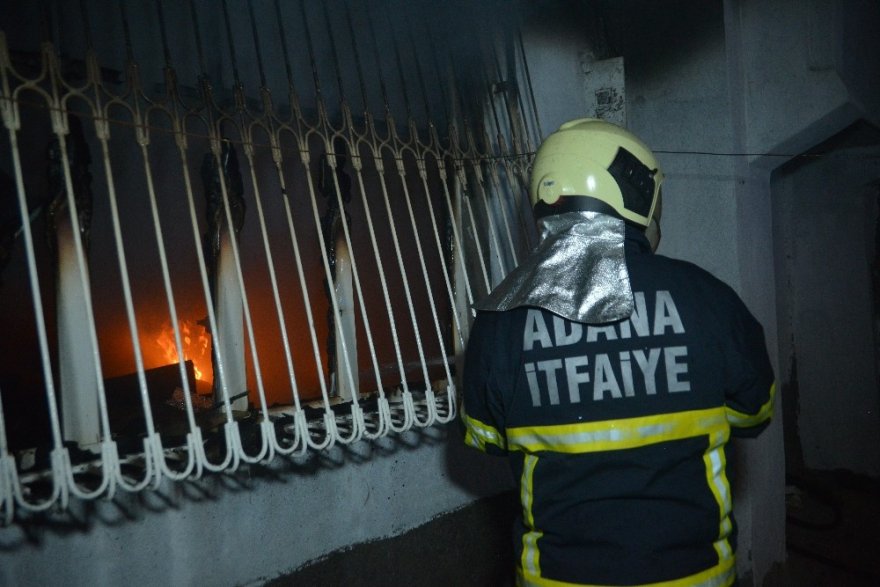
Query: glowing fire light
196	347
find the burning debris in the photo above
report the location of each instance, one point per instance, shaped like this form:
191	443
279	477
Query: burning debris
196	351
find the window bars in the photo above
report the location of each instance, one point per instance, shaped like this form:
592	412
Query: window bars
225	276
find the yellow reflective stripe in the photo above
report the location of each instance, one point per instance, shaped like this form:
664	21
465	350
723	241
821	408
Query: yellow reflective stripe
743	420
617	434
721	575
531	557
716	477
479	434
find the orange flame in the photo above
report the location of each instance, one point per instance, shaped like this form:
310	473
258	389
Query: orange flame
196	347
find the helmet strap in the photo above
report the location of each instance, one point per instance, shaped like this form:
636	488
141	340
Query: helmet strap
574	204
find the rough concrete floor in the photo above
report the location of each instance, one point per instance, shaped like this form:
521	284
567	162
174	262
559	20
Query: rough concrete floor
833	532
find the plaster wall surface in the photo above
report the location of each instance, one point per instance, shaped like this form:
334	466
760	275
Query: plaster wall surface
807	68
678	103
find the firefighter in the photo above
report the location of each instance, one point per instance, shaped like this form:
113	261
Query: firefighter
613	379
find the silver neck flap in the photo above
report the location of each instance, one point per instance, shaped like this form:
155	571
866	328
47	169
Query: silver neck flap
577	271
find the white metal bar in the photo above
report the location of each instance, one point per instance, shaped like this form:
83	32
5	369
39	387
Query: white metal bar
270	262
12	121
77	396
334	304
298	414
357	163
195	435
103	134
58	113
423	175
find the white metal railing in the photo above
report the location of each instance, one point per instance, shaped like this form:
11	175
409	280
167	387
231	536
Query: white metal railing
415	227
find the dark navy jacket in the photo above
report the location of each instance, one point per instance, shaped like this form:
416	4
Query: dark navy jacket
618	432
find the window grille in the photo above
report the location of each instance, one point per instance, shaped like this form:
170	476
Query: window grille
211	258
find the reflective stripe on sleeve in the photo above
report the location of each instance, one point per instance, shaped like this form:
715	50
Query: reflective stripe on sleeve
743	420
479	434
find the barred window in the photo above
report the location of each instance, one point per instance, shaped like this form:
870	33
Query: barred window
238	230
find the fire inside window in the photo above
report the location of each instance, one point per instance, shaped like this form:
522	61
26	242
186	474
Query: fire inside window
243	236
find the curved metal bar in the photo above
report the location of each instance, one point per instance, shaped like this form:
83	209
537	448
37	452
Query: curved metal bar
109	461
191	470
230	461
408	413
298	446
151	471
330	434
357	426
267	450
59	460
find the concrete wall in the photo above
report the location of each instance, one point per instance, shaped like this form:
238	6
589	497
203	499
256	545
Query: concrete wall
826	217
256	525
798	72
794	80
798	92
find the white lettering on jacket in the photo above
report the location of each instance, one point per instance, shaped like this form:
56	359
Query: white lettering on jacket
566	377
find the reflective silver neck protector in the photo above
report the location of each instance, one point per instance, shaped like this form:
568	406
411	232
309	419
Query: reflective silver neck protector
577	271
